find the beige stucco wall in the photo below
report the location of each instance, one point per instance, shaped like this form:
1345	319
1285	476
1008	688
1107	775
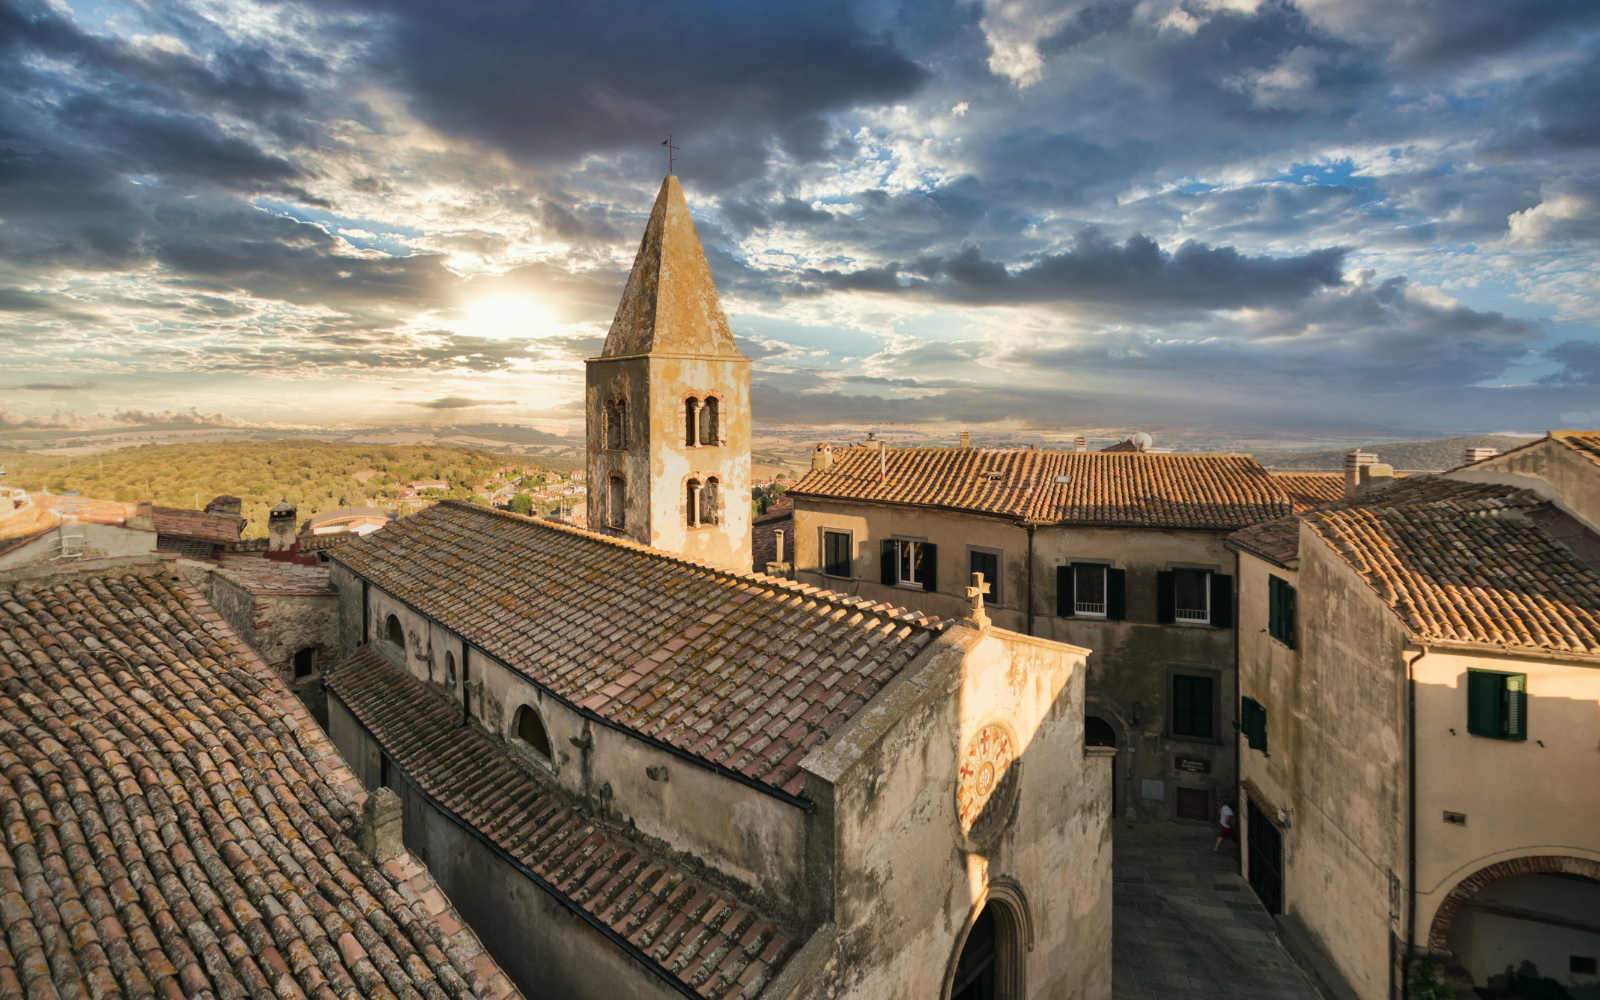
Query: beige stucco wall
1549	468
907	885
1129	661
98	545
657	464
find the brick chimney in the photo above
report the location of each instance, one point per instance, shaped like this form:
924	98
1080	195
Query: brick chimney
1353	464
1080	443
1479	454
966	440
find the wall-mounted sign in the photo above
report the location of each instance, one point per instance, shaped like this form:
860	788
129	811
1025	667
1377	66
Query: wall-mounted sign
1196	765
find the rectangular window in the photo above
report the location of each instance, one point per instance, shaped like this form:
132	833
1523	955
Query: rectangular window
838	553
1089	590
1280	610
1253	723
987	562
1497	704
909	564
1191	592
1191	706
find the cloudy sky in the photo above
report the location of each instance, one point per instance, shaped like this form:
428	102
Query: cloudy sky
1332	212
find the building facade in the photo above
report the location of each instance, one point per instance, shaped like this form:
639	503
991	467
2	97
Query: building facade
1420	672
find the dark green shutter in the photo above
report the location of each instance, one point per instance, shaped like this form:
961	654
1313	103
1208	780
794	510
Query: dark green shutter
1275	607
1116	594
886	562
1515	717
1288	615
1254	723
1166	598
1064	586
1221	600
930	566
1484	692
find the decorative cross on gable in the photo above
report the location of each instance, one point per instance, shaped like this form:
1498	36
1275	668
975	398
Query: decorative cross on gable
976	592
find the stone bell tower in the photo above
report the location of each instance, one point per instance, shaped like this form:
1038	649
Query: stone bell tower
668	404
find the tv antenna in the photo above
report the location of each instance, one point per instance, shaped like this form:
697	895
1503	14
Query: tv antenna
670	149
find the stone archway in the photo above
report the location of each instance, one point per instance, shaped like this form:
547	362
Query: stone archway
1439	932
990	957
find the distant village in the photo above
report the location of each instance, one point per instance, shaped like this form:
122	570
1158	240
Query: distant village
965	722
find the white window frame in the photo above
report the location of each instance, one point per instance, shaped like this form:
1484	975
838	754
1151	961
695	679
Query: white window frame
1079	607
822	550
900	561
1205	590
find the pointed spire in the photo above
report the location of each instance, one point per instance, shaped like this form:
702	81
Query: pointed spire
670	304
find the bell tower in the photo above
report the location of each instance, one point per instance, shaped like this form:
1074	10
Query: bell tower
667	404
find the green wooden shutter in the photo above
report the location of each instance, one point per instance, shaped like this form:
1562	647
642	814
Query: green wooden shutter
1064	594
1254	723
1274	607
1289	625
1166	598
929	563
886	562
1484	691
1515	716
1116	594
1221	600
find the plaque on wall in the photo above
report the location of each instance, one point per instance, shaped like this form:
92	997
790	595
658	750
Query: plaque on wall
1194	765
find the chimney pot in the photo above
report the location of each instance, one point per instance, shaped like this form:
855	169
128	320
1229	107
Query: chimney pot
1354	462
966	440
822	456
381	824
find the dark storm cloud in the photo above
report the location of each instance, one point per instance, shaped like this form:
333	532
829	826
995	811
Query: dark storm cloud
1136	274
1580	360
555	81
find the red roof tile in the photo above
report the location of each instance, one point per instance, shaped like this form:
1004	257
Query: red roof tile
175	825
1585	443
689	654
1275	541
269	576
1092	488
1311	489
688	927
196	524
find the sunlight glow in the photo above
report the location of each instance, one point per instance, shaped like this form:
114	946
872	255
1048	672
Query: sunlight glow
503	316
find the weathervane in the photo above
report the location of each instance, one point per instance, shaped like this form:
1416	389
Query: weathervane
670	148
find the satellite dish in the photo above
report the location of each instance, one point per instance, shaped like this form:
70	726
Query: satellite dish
1142	440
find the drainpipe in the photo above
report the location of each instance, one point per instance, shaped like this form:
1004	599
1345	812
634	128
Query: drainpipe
1411	824
1030	578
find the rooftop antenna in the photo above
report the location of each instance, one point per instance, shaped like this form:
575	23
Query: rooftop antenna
670	148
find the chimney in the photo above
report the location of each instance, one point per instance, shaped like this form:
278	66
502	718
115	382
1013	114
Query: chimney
280	527
1080	443
1375	477
144	517
1353	464
1479	454
822	456
381	824
227	506
778	567
872	443
966	440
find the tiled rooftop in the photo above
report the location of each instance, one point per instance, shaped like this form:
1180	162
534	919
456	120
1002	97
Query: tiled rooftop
698	933
82	508
269	576
1586	443
1311	489
1277	541
196	524
1468	562
1091	488
176	826
744	671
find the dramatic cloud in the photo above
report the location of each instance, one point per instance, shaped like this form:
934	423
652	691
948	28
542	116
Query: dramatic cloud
190	417
1051	210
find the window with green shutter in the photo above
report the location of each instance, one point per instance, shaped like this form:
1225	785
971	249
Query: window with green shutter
1280	610
1192	706
1497	704
1253	723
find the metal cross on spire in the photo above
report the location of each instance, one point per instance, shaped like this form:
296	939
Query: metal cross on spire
670	148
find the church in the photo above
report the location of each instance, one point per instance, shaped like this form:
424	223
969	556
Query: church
641	770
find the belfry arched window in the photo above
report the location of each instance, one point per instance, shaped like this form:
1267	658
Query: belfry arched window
709	501
394	633
691	421
616	419
691	505
617	503
530	730
710	422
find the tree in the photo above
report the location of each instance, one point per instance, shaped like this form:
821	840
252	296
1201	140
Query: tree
522	503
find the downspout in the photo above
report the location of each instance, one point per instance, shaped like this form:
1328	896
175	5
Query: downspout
1030	578
1238	696
1411	823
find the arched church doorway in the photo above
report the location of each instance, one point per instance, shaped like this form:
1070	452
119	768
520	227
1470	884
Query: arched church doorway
975	972
1517	922
992	960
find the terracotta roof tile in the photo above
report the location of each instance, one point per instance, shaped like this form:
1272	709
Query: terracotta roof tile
1276	541
1468	562
175	825
196	524
1093	488
606	625
1311	489
269	576
1586	443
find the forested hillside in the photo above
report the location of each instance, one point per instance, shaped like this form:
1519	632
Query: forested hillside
315	476
1418	455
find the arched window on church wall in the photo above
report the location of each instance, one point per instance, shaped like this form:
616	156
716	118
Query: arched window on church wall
708	501
530	730
616	503
616	416
394	633
692	503
691	421
710	422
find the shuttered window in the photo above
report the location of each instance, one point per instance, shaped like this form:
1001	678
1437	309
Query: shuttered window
1497	704
910	564
1280	610
1192	706
1253	723
837	553
1194	597
1091	590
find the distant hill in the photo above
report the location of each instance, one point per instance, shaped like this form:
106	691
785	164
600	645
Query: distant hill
1434	456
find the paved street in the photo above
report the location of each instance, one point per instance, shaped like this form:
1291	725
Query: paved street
1186	925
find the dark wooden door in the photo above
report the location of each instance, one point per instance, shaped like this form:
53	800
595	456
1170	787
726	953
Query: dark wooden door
1266	860
1194	803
